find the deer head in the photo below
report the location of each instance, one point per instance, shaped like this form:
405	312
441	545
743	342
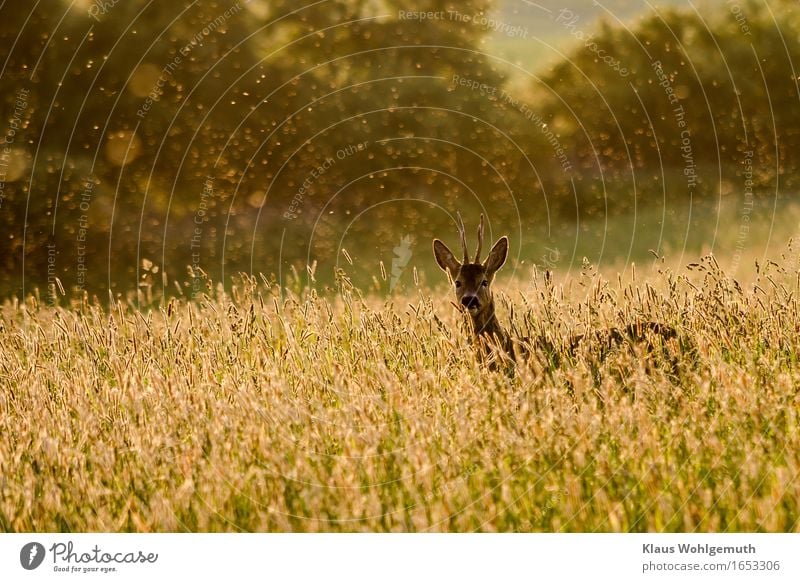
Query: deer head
472	280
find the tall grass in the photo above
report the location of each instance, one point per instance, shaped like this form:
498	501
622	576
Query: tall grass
265	410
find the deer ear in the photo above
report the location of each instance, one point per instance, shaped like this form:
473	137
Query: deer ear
497	256
446	260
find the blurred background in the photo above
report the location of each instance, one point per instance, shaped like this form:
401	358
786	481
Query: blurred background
151	144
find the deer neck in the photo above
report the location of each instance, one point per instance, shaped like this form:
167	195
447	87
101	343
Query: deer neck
485	323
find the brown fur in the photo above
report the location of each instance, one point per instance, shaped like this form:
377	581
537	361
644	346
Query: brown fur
472	281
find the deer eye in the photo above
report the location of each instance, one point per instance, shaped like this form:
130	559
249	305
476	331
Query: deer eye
485	283
458	284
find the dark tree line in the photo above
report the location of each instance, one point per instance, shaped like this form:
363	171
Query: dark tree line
212	134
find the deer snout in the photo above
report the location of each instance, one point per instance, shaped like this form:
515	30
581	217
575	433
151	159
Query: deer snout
470	301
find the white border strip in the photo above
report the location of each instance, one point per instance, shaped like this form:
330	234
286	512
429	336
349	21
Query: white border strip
400	557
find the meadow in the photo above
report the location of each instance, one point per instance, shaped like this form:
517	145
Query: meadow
259	408
642	158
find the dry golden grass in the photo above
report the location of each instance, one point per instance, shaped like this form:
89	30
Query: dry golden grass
266	411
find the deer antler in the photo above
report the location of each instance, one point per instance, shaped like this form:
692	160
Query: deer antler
463	234
480	241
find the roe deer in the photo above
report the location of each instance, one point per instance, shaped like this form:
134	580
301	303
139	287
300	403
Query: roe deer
472	282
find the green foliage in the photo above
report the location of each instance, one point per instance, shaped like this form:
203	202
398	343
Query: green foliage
228	137
734	92
228	109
